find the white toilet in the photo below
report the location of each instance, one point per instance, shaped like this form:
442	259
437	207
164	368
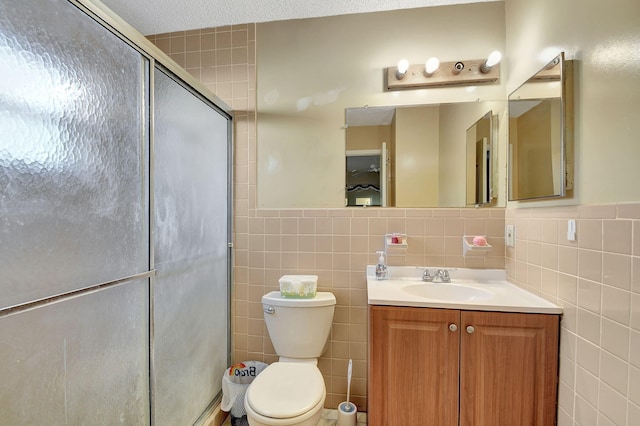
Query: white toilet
292	391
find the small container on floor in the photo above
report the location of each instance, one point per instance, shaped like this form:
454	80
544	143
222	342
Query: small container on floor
347	414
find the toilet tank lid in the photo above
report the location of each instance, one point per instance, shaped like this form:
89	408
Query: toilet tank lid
323	298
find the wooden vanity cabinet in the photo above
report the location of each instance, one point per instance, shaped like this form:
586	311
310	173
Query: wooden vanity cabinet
448	367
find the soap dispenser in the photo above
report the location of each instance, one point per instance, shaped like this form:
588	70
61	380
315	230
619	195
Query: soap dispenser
381	267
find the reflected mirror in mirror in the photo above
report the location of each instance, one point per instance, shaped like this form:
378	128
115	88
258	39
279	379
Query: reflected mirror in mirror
540	134
422	155
481	161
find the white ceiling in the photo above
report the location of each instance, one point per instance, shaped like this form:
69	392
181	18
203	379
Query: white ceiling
163	16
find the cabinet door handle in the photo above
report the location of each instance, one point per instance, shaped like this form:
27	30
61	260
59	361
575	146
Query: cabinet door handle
470	329
453	327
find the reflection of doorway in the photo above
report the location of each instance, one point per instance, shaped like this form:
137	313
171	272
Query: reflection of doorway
483	171
366	177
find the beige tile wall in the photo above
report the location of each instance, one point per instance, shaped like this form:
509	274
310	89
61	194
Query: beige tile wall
335	244
223	59
597	281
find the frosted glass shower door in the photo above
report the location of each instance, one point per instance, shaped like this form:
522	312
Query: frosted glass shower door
74	220
190	348
73	154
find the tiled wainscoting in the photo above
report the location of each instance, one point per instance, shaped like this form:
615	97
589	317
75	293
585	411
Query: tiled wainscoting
597	281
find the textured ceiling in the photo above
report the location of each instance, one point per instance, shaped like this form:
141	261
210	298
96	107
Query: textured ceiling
163	16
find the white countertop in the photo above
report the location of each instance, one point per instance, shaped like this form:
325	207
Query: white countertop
496	293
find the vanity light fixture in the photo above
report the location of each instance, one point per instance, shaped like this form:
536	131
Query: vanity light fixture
551	72
554	62
434	73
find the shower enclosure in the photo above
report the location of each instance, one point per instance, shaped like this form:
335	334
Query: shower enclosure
115	224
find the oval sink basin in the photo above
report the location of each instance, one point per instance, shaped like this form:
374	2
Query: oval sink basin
449	292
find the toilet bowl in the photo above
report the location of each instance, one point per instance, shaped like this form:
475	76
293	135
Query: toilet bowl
292	391
286	393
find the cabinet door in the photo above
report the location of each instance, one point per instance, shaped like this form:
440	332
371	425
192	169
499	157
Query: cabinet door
509	369
413	366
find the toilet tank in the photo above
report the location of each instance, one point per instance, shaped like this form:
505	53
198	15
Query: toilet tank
299	328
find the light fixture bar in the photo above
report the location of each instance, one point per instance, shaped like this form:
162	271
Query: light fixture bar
415	77
550	73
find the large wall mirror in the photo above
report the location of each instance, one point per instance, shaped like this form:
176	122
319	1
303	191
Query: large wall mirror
541	134
442	155
313	73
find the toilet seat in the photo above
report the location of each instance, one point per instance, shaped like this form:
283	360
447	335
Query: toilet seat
286	390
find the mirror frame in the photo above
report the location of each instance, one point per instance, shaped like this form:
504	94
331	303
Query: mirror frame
566	126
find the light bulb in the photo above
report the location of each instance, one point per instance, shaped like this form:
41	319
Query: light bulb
431	66
492	60
403	66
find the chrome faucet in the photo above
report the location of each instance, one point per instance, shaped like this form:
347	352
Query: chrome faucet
440	275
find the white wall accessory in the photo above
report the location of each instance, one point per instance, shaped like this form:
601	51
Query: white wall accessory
510	235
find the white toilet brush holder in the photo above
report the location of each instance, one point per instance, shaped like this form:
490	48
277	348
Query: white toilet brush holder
347	411
347	414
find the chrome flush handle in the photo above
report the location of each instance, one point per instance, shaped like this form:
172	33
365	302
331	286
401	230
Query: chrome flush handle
268	309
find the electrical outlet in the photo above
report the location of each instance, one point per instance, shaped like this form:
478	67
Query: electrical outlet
510	235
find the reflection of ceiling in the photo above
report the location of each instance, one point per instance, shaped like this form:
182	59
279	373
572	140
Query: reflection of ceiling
370	116
163	16
517	108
